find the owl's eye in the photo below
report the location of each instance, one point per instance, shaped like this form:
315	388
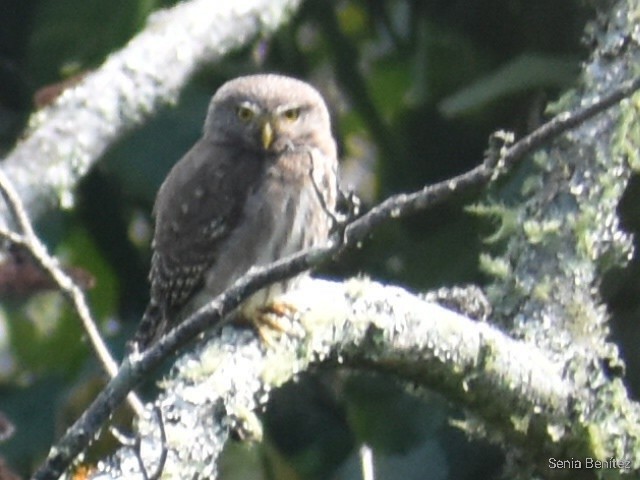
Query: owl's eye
244	113
291	114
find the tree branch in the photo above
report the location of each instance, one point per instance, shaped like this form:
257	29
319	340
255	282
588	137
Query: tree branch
358	324
27	238
66	139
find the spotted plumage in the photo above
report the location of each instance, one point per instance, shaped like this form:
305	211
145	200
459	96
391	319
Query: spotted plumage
260	184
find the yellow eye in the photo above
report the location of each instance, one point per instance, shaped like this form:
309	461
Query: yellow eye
291	114
244	113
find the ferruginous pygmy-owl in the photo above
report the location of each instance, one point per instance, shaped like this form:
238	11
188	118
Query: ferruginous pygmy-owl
259	185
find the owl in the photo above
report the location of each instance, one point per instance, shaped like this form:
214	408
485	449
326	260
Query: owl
259	185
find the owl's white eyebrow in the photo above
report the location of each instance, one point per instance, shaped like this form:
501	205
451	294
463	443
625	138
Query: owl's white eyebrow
292	106
250	105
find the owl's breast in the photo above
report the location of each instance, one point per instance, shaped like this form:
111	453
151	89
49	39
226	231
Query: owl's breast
299	198
289	209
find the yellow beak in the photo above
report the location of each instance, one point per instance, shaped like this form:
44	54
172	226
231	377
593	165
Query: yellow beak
267	134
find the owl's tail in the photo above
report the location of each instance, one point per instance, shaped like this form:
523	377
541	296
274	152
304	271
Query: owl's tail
150	328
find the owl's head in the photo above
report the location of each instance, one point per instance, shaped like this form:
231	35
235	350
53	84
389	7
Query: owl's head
269	113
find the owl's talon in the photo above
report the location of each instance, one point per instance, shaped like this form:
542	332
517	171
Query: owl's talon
279	309
269	322
267	335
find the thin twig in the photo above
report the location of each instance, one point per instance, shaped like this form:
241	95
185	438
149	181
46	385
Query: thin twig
366	462
135	444
13	238
157	472
14	204
406	204
212	316
568	120
27	238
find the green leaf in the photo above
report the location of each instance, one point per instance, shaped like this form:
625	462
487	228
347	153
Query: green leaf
526	72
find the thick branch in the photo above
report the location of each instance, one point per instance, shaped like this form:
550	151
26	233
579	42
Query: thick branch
65	140
358	324
565	237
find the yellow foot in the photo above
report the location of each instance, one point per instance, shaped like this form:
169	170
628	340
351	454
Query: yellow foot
279	309
273	320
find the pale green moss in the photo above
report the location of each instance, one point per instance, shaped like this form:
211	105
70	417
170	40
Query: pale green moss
495	266
507	219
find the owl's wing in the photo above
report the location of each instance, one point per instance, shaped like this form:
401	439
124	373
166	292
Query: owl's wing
198	206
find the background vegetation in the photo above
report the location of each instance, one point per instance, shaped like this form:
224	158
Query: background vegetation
415	87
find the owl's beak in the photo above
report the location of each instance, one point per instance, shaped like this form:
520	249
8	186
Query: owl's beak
266	133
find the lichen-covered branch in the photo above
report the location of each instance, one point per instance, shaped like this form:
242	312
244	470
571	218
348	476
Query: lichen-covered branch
65	139
566	234
359	324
